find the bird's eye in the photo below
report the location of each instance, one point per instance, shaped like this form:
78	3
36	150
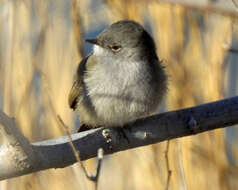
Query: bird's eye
115	48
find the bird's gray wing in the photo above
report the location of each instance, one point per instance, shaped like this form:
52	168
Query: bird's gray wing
78	84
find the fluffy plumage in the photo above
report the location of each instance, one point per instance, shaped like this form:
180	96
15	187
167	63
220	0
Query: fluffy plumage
121	81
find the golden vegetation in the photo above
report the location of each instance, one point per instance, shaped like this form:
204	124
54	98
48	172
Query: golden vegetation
41	45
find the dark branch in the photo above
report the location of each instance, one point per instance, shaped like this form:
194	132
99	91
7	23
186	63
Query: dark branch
57	153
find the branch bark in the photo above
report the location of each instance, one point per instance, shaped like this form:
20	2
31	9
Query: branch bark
19	157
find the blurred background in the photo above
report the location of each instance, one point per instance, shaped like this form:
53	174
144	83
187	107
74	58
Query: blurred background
41	43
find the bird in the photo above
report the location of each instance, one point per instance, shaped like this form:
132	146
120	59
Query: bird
121	80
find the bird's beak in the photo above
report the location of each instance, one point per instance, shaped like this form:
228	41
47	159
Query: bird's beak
93	41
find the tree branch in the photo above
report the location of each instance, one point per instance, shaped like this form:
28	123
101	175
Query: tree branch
19	157
223	8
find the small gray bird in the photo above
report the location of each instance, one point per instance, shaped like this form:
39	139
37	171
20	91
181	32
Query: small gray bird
121	81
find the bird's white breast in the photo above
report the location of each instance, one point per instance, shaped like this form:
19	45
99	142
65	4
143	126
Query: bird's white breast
118	90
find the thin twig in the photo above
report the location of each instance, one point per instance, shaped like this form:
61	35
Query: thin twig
169	172
93	178
235	3
98	169
201	7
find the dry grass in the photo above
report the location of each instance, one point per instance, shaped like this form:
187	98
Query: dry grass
39	54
